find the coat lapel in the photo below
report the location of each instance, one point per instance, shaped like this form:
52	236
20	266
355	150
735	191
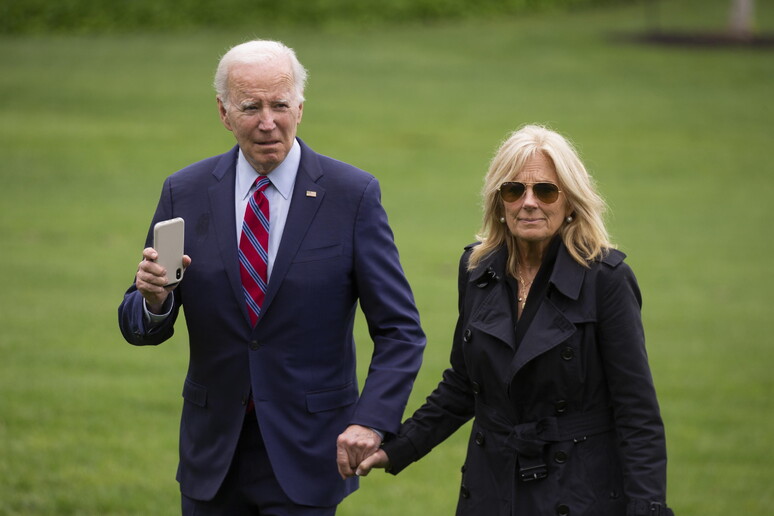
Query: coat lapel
222	209
493	314
551	325
303	208
549	328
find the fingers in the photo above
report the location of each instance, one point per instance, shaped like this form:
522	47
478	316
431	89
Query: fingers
343	462
353	446
377	460
151	278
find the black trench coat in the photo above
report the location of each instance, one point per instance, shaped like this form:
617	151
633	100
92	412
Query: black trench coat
567	422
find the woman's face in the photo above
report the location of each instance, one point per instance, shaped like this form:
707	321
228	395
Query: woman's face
528	218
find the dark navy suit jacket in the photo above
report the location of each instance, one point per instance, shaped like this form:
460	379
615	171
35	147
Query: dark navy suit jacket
299	362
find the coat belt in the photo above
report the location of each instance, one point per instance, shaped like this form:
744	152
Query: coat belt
529	439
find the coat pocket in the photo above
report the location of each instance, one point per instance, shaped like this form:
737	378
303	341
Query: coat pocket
318	253
331	399
195	393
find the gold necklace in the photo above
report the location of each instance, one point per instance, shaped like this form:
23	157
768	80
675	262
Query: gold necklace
524	291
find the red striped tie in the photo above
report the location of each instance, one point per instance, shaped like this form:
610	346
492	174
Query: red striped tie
254	249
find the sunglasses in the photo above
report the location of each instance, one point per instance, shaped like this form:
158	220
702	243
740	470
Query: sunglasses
513	191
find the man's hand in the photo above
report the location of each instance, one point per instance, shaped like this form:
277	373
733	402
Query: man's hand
151	278
353	447
377	460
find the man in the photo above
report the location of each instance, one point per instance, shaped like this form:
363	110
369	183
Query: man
273	422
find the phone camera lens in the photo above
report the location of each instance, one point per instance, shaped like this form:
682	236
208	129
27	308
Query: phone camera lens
178	273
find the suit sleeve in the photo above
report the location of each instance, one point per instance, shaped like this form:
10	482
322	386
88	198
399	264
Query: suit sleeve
131	313
449	406
393	321
637	417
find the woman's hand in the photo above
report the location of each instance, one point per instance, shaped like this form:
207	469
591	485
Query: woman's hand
378	459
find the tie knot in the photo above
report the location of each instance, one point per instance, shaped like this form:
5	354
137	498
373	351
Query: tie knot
262	183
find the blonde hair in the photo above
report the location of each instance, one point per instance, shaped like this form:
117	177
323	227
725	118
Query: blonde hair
585	237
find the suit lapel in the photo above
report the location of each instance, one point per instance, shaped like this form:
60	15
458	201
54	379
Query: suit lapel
303	208
222	209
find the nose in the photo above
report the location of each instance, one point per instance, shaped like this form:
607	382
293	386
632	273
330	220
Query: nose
267	121
530	201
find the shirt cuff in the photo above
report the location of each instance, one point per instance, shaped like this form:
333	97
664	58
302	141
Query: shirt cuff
155	319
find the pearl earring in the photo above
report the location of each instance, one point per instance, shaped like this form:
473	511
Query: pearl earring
502	219
568	219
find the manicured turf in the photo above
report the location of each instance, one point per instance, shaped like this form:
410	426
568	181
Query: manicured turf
679	140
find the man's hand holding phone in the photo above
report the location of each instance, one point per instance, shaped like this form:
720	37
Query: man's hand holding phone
152	280
163	264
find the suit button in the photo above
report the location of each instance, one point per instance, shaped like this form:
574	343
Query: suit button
560	457
254	345
467	335
464	492
475	387
567	353
560	406
562	510
464	468
479	438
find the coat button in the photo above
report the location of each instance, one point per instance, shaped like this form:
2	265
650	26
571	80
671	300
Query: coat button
560	457
475	387
567	353
560	406
479	439
464	468
562	510
486	278
254	345
467	335
464	492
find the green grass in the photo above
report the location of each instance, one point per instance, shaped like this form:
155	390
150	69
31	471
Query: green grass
678	139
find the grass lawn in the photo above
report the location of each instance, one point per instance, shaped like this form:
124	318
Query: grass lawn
679	140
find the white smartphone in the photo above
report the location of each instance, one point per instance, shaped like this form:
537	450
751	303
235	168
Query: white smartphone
168	240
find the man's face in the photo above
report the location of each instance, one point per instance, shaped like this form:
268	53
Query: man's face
262	111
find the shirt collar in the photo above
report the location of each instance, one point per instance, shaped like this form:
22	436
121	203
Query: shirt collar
282	178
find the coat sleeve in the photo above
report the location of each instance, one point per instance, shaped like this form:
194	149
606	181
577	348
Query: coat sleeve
390	312
639	427
131	312
449	406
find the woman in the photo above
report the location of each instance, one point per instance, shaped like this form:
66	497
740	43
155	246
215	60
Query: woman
548	354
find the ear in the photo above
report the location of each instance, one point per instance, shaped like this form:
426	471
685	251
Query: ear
300	113
223	114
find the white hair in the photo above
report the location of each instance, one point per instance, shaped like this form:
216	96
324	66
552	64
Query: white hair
259	51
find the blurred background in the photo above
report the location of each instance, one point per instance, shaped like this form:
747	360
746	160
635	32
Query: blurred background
669	103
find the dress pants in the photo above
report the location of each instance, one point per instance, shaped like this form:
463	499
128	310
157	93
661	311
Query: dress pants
250	487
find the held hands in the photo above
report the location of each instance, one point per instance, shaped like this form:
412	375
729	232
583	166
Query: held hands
377	460
358	452
151	278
